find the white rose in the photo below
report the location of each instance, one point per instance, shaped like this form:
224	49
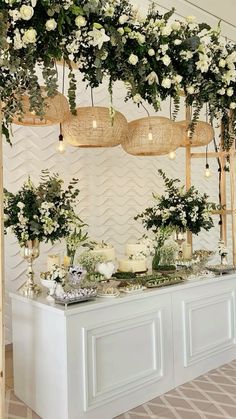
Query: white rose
80	21
190	19
133	59
29	36
230	91
51	24
190	90
33	3
221	91
123	19
140	38
166	60
232	105
166	31
222	63
166	83
151	52
137	98
176	26
121	31
177	41
26	12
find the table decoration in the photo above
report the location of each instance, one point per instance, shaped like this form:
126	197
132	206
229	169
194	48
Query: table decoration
57	275
103	249
176	210
223	252
164	281
132	288
30	251
52	260
106	269
76	296
76	275
74	240
37	214
221	269
50	285
107	291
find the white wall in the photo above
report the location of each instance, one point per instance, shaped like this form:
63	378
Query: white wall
114	186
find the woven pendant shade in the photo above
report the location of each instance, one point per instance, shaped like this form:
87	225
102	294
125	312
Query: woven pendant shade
151	136
203	134
56	110
93	127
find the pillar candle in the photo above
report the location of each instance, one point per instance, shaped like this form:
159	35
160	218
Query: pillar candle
52	260
187	250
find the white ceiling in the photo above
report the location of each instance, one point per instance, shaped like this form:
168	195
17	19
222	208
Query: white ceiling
209	11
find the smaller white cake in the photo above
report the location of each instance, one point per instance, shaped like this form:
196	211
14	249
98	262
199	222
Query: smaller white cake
108	253
132	265
134	248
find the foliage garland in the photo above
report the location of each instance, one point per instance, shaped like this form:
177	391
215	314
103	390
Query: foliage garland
157	57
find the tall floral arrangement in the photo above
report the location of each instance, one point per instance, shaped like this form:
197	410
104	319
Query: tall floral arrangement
177	209
155	56
42	212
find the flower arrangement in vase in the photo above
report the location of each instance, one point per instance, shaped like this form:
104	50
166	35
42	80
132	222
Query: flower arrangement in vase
54	281
38	214
74	240
176	210
89	262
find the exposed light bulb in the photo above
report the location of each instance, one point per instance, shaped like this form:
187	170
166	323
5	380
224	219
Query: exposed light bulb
207	171
172	155
150	136
94	123
61	146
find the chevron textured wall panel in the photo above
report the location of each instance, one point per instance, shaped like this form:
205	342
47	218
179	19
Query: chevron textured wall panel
114	186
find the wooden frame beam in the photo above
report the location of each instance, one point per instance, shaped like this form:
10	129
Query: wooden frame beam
2	285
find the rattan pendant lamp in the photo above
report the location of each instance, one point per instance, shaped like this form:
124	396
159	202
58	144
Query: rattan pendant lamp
152	135
202	135
56	110
95	126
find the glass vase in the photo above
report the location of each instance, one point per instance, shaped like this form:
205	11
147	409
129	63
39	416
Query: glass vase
71	256
29	252
156	259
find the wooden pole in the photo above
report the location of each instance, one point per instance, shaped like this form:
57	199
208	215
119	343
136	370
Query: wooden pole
233	202
223	227
2	284
188	167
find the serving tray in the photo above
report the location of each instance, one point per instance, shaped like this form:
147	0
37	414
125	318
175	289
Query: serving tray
67	301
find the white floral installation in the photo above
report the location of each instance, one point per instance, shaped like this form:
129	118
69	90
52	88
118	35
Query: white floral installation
155	56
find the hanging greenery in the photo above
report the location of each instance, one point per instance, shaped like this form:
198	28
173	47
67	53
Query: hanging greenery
157	57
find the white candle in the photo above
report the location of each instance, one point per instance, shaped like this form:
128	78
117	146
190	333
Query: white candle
187	250
52	260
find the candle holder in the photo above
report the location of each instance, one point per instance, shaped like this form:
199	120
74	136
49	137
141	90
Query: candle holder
30	252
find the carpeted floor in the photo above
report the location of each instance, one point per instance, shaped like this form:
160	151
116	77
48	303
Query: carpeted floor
210	396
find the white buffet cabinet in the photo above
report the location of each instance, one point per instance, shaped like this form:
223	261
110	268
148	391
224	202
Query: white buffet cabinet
98	359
